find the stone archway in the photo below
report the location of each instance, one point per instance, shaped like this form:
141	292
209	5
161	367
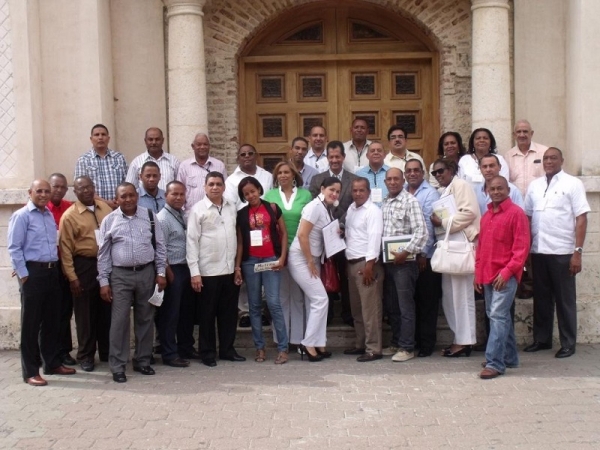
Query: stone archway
230	28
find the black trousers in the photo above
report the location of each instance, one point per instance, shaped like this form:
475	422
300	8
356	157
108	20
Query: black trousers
344	295
428	292
92	314
168	319
65	339
40	319
554	285
218	301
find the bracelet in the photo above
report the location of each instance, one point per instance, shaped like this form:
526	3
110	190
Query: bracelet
238	268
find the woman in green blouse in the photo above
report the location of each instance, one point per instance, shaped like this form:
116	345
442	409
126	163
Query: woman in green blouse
291	198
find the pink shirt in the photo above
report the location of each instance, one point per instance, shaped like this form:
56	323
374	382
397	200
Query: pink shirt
525	168
193	176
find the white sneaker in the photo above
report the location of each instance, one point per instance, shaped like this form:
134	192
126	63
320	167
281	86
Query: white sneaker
389	351
402	356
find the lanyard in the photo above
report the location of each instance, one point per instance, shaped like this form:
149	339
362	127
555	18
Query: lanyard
181	222
328	210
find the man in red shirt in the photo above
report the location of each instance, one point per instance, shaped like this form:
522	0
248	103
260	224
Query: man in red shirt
502	250
57	206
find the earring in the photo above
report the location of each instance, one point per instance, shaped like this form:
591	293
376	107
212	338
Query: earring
294	182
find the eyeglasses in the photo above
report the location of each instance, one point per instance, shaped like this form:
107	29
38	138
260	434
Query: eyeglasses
246	154
435	173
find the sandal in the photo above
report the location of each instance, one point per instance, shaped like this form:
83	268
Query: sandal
282	358
260	355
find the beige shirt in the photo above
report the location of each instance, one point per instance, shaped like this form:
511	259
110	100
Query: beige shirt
392	160
525	168
211	239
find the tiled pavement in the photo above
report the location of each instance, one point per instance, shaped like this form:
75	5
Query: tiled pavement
425	403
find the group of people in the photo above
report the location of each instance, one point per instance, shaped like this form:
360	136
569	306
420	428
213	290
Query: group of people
208	245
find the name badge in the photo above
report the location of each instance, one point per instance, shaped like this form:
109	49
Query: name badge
376	195
256	239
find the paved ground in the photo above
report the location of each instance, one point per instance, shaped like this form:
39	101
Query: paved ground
424	403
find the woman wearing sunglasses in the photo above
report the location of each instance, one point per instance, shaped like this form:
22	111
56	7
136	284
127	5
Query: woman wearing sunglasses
458	299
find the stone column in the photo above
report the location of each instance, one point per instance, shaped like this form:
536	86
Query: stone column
186	74
490	65
583	93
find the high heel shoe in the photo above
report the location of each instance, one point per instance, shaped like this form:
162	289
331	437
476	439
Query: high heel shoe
466	350
311	357
323	353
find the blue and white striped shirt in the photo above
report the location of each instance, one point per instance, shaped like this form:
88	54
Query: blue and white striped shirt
173	227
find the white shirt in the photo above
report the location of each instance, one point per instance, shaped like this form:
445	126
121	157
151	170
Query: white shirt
392	160
468	167
167	163
553	209
353	160
320	163
364	228
211	242
231	184
315	213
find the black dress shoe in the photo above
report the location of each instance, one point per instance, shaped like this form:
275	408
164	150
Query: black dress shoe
565	352
244	322
144	370
87	366
210	362
233	357
67	360
354	351
176	362
537	346
119	377
193	355
425	352
368	357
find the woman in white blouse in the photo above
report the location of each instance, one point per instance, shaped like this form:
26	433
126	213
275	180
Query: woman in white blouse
481	143
304	263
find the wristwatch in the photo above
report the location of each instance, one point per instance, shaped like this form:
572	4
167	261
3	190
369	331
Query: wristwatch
161	274
579	250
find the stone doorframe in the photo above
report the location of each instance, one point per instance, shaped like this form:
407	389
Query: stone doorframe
205	40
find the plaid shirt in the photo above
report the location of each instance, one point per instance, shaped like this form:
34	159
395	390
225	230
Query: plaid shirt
403	215
106	173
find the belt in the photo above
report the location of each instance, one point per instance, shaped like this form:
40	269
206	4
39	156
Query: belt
135	268
357	260
43	265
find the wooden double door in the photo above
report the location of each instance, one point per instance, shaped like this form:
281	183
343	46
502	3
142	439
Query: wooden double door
332	70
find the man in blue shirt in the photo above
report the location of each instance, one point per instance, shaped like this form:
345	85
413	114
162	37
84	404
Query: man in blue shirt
150	195
32	246
428	290
375	172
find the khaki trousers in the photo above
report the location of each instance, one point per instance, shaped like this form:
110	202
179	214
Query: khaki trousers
366	307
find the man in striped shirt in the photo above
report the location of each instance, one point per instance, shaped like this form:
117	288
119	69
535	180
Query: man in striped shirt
131	260
167	163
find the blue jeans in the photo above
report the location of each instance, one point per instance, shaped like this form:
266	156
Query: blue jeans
501	350
271	281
